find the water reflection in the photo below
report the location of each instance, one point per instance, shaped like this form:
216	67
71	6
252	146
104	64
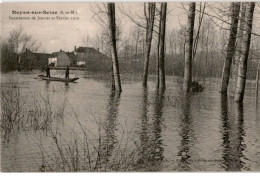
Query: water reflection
186	133
151	149
110	124
47	84
232	135
257	115
144	136
185	120
67	86
157	148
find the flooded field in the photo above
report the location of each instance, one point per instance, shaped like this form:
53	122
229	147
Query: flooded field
83	126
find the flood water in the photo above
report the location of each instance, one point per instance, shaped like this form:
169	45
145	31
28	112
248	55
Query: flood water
144	129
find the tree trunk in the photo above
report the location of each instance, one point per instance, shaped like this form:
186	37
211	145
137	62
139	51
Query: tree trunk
188	47
257	78
149	36
112	30
239	42
242	69
162	45
235	6
158	52
113	80
137	40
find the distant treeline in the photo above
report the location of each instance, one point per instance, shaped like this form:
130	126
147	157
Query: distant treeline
9	59
210	67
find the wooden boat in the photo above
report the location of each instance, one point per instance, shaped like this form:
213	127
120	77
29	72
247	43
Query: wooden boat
57	79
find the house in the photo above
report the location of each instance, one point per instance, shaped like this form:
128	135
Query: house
59	59
30	60
73	59
87	55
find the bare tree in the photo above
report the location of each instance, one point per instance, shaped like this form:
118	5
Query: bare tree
16	42
100	13
86	40
201	14
137	36
242	69
112	30
158	50
149	36
162	45
188	47
235	7
257	77
239	42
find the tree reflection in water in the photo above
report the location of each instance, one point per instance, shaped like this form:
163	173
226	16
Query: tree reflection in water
150	154
232	135
186	134
109	140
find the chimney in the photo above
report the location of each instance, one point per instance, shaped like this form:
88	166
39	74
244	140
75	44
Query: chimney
75	48
60	50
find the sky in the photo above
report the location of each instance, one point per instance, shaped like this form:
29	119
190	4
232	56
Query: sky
65	34
53	34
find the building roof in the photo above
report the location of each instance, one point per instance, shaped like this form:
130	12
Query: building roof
57	53
29	51
72	55
87	50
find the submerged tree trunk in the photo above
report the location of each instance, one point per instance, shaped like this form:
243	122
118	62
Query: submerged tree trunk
188	47
162	45
242	69
149	36
112	30
239	42
235	6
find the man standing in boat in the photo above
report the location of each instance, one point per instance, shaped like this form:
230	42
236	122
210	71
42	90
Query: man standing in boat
67	72
48	70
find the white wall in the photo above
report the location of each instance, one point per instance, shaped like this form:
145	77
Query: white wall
53	60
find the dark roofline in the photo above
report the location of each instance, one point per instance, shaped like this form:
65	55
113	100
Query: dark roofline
35	52
58	53
82	49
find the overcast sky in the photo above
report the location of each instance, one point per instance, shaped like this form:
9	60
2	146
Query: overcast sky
65	34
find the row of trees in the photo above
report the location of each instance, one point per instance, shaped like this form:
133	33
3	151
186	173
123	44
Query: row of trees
149	12
246	22
17	42
193	50
238	48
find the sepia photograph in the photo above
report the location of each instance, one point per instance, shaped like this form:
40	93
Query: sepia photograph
130	86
